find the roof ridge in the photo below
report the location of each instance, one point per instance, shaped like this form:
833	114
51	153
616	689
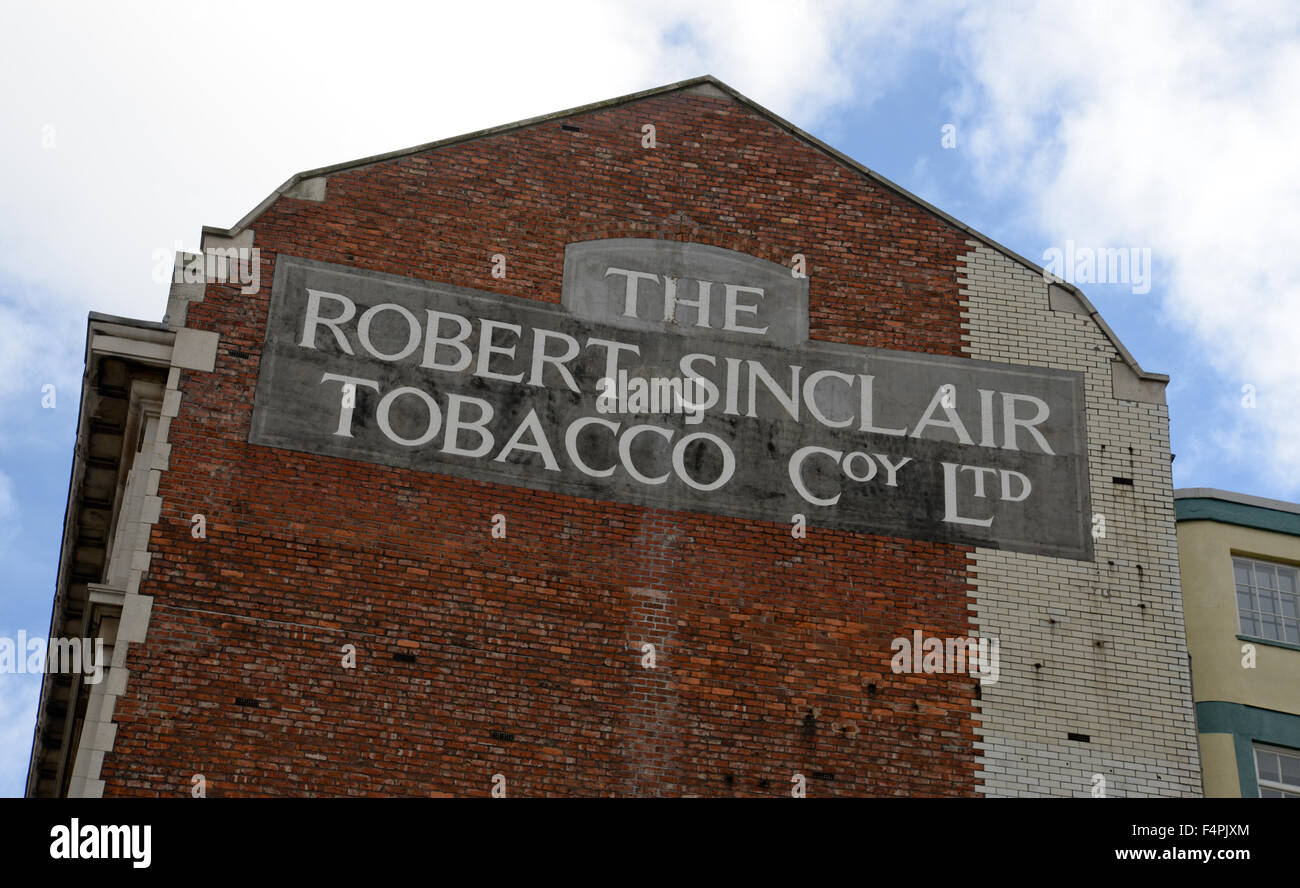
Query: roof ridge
704	79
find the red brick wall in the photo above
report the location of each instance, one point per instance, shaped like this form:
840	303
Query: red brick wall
773	653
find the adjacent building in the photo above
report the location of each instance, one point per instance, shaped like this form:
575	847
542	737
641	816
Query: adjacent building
1240	558
653	447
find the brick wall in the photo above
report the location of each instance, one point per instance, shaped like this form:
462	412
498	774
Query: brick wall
521	656
772	653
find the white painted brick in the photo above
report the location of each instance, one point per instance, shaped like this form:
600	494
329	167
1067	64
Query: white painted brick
1131	696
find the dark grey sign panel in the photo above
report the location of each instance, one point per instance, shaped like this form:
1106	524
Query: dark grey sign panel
672	287
368	366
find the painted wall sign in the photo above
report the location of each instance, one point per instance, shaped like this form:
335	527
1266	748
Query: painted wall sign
676	376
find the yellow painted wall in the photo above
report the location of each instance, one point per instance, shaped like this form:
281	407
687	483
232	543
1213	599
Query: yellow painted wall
1219	767
1205	551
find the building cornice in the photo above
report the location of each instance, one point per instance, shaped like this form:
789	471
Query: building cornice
1243	510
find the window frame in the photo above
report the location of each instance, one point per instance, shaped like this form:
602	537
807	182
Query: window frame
1256	612
1290	789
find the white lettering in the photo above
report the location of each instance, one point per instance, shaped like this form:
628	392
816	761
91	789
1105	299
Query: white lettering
413	324
450	442
486	350
433	340
796	473
634	278
728	461
625	452
386	404
571	444
732	308
313	319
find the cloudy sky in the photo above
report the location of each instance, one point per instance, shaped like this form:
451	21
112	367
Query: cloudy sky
1168	127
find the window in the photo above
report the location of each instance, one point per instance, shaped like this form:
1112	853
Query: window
1268	600
1278	771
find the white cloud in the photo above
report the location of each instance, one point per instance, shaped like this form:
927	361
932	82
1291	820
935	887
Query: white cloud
1169	126
1155	124
40	344
137	124
128	127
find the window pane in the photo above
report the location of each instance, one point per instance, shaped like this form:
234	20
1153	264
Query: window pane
1265	578
1268	602
1269	628
1266	793
1290	606
1249	625
1290	769
1241	570
1293	633
1267	764
1286	580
